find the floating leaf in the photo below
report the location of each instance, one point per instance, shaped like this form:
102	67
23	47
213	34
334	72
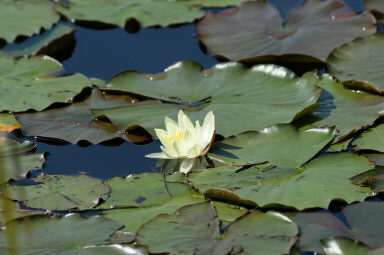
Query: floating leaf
281	145
75	122
377	159
234	93
8	123
118	12
115	249
256	31
345	246
340	146
348	110
217	3
13	211
376	7
146	189
39	44
60	192
25	84
372	178
363	222
14	163
372	139
360	64
315	184
195	229
25	17
57	235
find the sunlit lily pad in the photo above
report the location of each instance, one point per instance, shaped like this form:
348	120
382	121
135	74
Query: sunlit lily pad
14	162
218	3
281	145
118	12
372	139
146	189
315	184
373	178
28	83
195	229
60	192
234	93
57	235
360	64
76	121
364	222
39	44
256	31
25	17
114	249
8	123
345	246
348	110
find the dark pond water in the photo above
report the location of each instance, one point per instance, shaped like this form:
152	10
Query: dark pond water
102	53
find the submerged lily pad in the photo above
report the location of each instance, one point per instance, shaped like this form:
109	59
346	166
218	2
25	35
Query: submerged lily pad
360	64
195	229
372	139
56	235
118	12
256	31
315	184
40	44
76	121
14	162
60	192
145	189
363	222
234	93
348	110
25	17
346	246
27	83
282	145
8	123
372	178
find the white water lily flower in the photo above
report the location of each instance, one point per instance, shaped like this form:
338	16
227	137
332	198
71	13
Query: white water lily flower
183	140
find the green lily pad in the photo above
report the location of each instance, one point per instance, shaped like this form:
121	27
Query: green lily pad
340	146
146	189
56	235
281	145
218	3
114	249
40	44
348	110
377	159
25	17
60	192
315	184
195	229
8	123
234	93
255	31
26	83
346	246
363	222
372	178
118	12
360	64
372	139
14	162
10	210
76	121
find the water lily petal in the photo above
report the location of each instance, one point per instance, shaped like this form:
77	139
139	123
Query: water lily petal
186	165
171	126
208	128
157	155
185	122
169	152
163	136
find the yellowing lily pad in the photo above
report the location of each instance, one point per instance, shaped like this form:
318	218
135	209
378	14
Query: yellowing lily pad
30	83
242	99
255	31
8	123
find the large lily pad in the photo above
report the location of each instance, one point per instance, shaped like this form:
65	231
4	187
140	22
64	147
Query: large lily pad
281	145
363	222
360	63
56	235
255	30
373	178
118	12
14	162
27	83
315	184
372	139
60	192
25	17
348	110
195	229
346	246
40	44
252	98
146	189
10	210
75	122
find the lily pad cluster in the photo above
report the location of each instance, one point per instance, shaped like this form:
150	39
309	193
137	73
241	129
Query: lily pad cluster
290	147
